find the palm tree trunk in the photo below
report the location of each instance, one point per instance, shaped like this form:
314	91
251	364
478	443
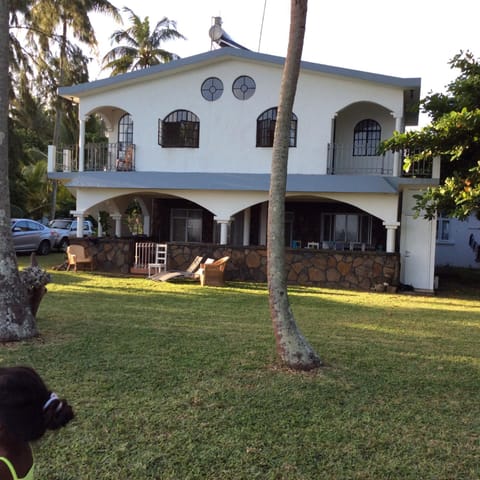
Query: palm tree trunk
16	319
292	347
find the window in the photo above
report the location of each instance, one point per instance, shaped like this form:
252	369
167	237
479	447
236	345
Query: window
186	225
243	87
179	129
212	89
443	229
266	128
125	133
346	227
366	138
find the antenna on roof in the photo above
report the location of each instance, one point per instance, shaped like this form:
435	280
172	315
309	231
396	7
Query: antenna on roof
261	25
220	37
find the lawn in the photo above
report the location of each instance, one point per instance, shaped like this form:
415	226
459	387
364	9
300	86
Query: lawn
176	381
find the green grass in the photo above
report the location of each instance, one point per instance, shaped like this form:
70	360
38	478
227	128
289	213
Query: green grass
176	381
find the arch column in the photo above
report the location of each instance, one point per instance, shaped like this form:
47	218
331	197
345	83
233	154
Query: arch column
80	217
247	216
391	229
396	155
117	218
100	228
81	144
262	234
223	230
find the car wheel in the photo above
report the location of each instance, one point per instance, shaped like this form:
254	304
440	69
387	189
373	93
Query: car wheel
44	248
64	243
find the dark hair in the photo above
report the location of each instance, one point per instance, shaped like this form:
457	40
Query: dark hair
23	396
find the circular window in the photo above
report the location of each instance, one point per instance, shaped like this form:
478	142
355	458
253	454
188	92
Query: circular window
244	87
212	89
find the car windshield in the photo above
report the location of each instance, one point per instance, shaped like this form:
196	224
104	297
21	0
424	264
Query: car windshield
60	224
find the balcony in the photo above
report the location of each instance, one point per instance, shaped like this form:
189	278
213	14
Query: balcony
98	157
341	161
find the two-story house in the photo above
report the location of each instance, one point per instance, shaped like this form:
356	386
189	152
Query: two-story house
191	141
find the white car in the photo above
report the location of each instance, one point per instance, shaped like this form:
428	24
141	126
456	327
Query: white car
66	228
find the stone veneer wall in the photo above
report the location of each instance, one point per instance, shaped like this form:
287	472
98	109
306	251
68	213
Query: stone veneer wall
339	269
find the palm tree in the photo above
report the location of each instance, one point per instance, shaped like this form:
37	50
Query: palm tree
292	347
142	46
16	319
47	17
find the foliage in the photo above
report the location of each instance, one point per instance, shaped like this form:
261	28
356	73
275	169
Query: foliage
142	46
454	137
167	384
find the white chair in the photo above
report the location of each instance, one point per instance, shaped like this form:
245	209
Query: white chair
160	263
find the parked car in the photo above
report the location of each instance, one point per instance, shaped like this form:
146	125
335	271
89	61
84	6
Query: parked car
66	228
31	236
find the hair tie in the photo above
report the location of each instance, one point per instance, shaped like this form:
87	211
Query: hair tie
53	397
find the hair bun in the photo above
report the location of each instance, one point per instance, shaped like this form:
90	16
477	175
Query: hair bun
58	414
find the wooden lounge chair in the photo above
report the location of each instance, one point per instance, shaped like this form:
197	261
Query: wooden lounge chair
190	272
77	255
211	274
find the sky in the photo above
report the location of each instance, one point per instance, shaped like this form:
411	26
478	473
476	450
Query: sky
405	38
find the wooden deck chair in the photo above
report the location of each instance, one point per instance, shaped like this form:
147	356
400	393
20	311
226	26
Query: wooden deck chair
211	274
77	255
189	272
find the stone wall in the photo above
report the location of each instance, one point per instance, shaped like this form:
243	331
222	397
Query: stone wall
338	269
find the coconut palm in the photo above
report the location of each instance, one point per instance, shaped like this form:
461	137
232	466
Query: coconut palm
141	46
16	319
292	347
52	22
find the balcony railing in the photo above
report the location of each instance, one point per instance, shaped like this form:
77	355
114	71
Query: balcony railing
341	161
98	157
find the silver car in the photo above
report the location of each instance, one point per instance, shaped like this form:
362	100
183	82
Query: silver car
31	236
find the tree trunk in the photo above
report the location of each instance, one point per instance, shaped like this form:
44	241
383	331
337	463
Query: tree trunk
16	319
292	347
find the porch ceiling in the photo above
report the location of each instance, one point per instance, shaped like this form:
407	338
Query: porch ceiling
227	181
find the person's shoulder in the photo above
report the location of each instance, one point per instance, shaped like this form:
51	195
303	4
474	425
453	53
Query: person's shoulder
5	472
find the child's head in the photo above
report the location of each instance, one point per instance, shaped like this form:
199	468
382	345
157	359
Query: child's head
27	407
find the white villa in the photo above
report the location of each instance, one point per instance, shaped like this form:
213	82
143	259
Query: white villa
191	142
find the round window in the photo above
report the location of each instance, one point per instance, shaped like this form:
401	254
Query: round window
212	89
244	87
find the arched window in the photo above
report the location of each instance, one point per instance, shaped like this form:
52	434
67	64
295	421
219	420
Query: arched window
366	138
266	128
125	132
179	129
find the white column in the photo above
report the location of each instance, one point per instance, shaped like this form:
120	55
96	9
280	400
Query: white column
397	155
52	159
117	218
80	217
247	216
391	229
262	234
81	145
146	225
223	230
100	228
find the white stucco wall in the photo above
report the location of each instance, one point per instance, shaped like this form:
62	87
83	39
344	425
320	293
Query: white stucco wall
228	125
458	250
417	246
